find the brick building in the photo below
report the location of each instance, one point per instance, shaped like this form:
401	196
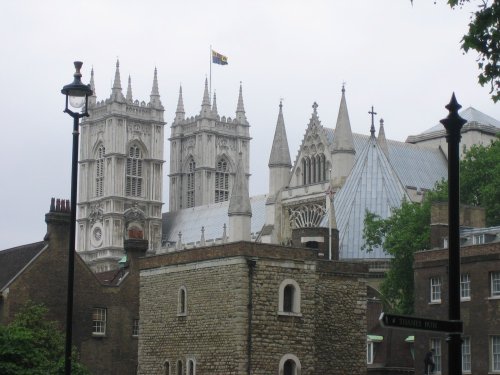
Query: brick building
244	308
106	312
480	293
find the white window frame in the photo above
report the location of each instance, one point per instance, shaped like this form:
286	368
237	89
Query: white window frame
182	305
465	287
495	353
435	344
495	284
286	357
296	299
478	239
99	320
466	355
369	352
435	289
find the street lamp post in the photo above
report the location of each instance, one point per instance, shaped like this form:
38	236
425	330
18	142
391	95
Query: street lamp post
77	97
453	124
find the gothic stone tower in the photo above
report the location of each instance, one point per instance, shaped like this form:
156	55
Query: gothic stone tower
204	153
120	192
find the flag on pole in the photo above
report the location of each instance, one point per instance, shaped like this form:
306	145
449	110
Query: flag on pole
217	58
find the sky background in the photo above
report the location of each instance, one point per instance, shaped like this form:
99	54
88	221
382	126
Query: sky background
404	60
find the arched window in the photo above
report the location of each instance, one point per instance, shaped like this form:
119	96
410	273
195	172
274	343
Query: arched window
308	170
289	365
289	298
323	167
99	171
182	301
221	181
179	367
190	183
304	172
191	367
313	170
133	186
166	368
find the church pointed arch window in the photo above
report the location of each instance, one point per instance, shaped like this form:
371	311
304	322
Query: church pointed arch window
190	175
221	181
134	178
99	171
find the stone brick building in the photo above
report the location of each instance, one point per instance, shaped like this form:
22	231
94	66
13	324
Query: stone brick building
106	312
480	293
244	308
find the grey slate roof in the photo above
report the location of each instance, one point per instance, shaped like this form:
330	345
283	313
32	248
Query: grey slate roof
13	260
372	185
213	217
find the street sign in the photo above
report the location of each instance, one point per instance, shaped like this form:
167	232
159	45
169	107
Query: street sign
419	324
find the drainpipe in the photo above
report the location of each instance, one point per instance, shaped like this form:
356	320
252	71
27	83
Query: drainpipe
251	269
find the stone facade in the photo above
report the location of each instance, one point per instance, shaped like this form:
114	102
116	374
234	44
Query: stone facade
235	322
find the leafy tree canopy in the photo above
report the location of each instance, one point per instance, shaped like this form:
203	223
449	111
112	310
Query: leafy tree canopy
31	345
408	228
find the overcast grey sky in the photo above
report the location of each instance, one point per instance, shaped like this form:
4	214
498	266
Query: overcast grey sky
404	60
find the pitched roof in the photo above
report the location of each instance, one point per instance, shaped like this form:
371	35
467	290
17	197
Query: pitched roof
212	217
372	185
14	260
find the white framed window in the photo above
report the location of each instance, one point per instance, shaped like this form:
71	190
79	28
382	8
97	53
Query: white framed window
445	242
166	368
495	353
99	321
135	328
466	356
369	352
133	183
179	367
289	298
435	284
478	239
182	301
495	284
190	185
221	181
465	287
289	365
436	345
99	171
190	367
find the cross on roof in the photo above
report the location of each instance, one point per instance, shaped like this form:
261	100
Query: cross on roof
372	128
315	106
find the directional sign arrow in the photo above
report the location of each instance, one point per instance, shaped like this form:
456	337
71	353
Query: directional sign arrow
420	324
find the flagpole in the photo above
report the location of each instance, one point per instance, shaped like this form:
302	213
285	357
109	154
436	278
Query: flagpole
210	72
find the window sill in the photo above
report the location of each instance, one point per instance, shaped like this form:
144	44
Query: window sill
99	335
465	299
494	297
435	303
286	313
181	315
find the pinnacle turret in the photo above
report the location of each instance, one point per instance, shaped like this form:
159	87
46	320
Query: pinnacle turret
239	204
280	153
342	137
129	90
205	104
116	90
179	112
155	94
240	108
382	140
214	105
93	97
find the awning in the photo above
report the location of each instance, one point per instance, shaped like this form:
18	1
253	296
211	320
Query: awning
410	339
374	338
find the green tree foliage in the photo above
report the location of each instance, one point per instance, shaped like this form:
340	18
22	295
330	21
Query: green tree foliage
480	179
30	345
408	228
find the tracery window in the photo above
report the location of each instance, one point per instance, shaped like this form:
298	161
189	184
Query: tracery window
221	181
313	169
190	183
133	186
99	171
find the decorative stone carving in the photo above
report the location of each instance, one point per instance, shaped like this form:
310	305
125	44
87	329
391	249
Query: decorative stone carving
306	215
95	214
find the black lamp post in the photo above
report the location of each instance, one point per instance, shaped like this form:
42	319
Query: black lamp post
77	95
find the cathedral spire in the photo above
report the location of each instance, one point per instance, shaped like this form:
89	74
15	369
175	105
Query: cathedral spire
240	209
214	105
280	153
93	97
342	137
240	108
381	140
116	90
179	112
154	98
129	89
205	104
